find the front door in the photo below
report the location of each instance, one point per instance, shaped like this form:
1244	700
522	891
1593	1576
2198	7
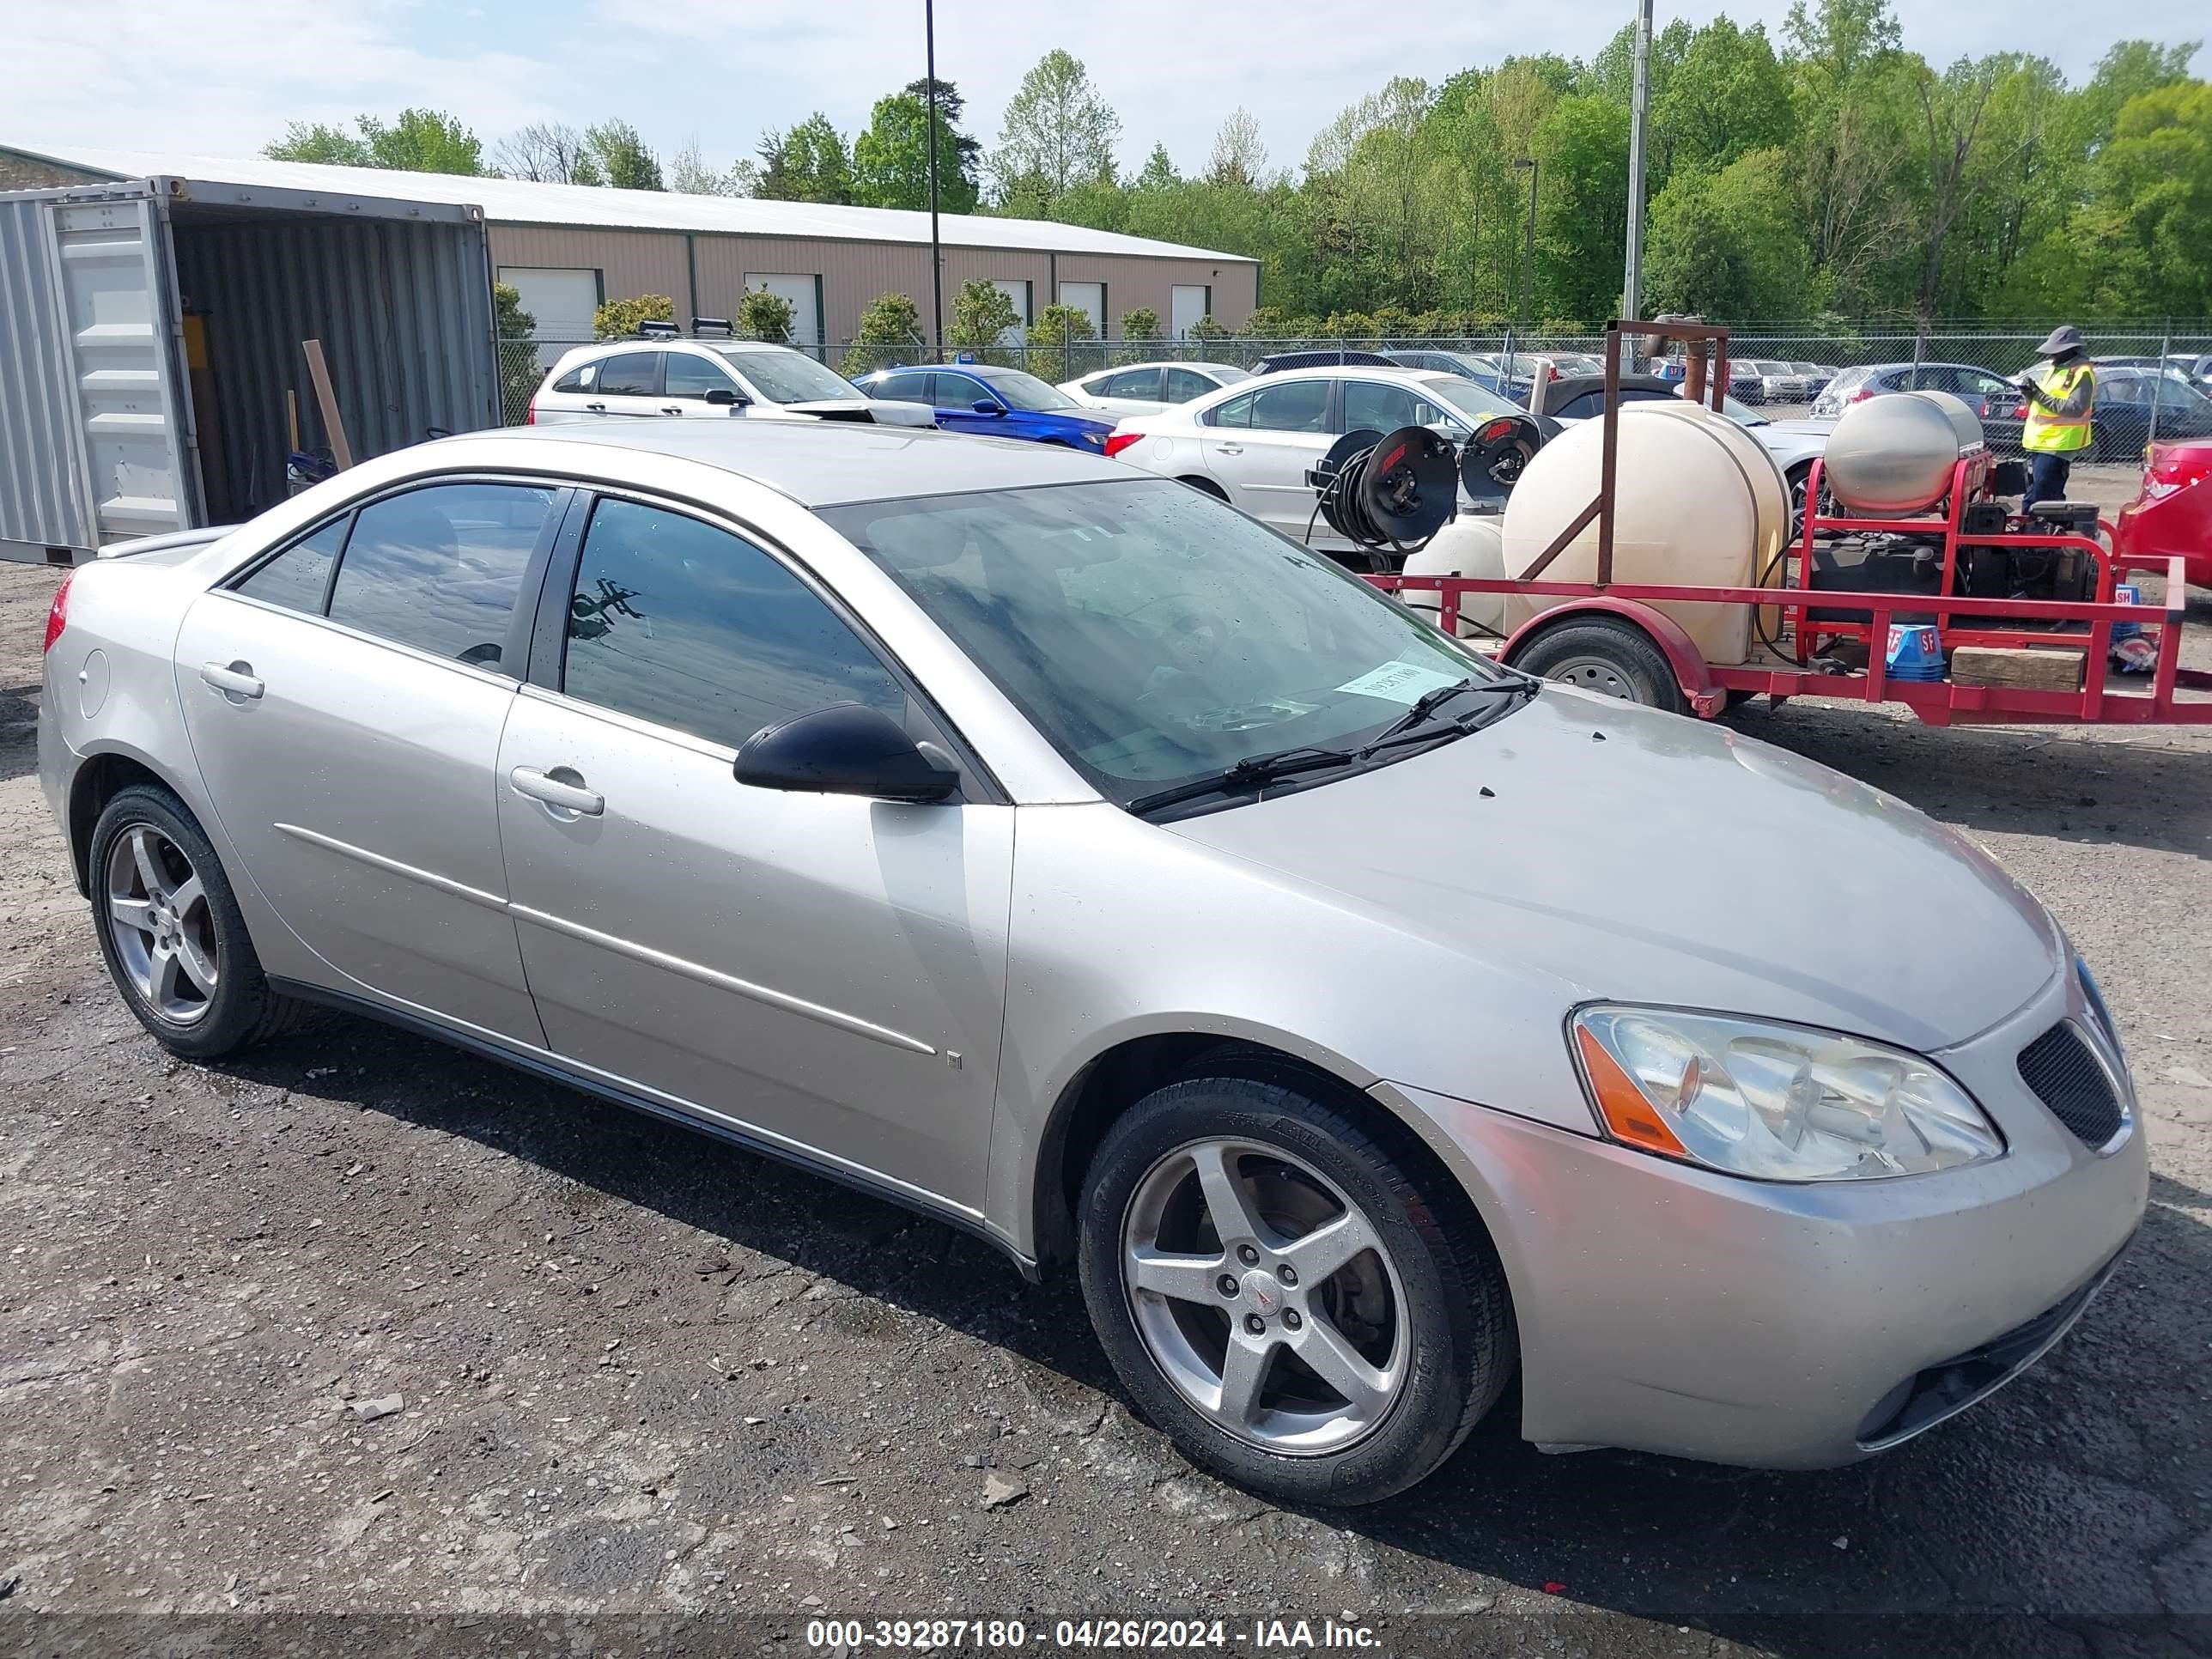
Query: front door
1260	446
826	971
344	701
955	397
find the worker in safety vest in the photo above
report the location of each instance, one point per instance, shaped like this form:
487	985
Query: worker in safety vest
2058	409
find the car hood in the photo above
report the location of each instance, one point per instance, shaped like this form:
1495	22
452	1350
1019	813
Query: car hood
881	411
1801	428
1642	857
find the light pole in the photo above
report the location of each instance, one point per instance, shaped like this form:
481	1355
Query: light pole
929	144
1639	104
1523	164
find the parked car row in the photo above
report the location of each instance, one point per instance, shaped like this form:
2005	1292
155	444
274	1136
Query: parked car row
2127	390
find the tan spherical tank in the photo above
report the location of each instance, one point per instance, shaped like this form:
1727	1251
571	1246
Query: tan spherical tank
1893	455
1467	546
1697	501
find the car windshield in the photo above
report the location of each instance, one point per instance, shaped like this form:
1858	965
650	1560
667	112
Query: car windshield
1021	390
1152	634
1477	402
786	377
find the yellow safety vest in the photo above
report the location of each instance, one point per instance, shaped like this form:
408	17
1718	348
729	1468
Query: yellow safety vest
2058	435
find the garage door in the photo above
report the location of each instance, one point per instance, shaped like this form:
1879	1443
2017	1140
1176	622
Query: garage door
1185	306
560	301
804	294
1090	299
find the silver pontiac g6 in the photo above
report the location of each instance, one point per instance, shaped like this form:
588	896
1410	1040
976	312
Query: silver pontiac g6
1050	848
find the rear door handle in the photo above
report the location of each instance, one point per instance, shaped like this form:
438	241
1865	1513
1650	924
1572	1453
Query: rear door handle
568	797
1230	449
597	409
667	410
236	680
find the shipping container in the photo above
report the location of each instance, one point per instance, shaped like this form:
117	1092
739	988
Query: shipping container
149	329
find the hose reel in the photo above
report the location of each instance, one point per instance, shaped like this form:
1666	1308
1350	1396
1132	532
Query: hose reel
1397	490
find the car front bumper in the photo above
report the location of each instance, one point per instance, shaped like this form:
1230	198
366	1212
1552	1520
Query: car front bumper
1669	1308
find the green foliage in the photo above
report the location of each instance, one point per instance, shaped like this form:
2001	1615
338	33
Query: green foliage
617	319
764	316
1729	244
891	159
890	333
981	316
1205	330
1059	133
1140	323
1061	325
619	156
809	163
415	141
509	320
517	350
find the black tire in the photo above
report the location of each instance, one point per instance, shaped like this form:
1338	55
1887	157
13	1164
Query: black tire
1207	487
1604	653
1457	1321
243	1010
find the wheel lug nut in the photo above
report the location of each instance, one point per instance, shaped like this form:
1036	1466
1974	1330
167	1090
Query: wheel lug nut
1227	1283
1254	1324
1291	1318
1248	1255
1288	1275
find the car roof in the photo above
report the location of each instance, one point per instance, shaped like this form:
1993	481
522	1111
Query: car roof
828	462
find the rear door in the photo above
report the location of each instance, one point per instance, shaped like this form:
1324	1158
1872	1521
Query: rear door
1261	443
629	384
94	424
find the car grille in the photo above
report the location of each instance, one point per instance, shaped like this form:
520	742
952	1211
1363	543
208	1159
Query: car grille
2067	1078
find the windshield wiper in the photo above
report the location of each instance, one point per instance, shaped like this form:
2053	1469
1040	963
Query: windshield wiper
1426	705
1253	772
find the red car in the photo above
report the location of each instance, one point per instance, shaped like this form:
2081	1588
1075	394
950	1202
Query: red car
2171	517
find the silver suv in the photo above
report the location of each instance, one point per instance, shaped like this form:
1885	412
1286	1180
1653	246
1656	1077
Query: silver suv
706	379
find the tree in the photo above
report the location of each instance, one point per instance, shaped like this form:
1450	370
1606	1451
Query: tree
764	316
1239	157
617	319
621	157
415	141
982	316
514	332
1158	171
1058	133
689	174
1729	244
809	163
888	334
1067	332
1581	152
1728	94
549	152
891	159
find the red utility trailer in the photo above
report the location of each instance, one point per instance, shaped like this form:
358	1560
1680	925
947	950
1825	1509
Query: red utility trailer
1800	660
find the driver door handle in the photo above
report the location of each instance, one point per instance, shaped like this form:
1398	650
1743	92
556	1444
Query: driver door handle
597	409
232	682
569	797
677	410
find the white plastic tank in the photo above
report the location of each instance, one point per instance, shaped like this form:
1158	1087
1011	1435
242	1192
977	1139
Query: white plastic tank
1470	546
1894	454
1697	501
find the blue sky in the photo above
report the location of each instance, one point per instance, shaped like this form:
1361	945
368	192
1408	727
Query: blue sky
223	76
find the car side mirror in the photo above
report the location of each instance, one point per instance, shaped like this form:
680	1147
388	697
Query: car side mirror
845	749
985	406
725	396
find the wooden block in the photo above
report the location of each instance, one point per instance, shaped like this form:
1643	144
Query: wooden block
2032	670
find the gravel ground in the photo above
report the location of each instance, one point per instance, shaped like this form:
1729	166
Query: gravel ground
360	1325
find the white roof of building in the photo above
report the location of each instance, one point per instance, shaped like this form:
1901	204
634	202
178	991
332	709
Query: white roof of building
525	202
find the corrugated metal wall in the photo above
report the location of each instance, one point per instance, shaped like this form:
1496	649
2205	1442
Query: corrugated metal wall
403	309
633	261
44	497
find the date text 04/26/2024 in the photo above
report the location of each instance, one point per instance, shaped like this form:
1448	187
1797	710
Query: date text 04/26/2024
1258	1635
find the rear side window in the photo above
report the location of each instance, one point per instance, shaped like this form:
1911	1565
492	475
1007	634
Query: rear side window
688	626
439	569
300	576
581	378
632	374
903	388
1236	411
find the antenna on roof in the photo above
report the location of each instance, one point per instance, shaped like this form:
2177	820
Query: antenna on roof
718	327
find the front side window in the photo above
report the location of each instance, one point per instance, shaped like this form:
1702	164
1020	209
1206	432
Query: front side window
1133	383
958	391
1152	634
439	569
1385	408
1018	389
678	622
300	576
695	377
1184	384
631	374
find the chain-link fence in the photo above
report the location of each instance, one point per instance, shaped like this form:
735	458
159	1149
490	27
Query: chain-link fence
2153	377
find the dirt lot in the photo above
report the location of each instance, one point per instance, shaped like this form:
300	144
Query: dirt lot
360	1325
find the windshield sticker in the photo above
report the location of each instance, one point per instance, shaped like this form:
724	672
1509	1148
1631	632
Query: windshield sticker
1399	682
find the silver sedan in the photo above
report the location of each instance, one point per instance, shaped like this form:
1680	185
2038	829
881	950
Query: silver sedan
1060	852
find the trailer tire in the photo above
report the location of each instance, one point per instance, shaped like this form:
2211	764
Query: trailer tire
1608	655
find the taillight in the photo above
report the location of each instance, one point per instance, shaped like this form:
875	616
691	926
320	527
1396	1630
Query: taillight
1118	441
2171	467
57	613
530	413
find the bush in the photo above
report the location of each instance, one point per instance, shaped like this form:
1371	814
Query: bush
764	316
888	334
1065	334
617	319
518	373
1205	329
982	315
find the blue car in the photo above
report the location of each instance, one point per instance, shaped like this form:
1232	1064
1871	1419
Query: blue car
998	403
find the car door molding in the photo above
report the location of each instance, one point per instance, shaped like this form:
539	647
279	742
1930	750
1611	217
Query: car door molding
392	867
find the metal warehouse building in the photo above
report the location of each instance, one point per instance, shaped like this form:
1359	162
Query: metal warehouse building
152	307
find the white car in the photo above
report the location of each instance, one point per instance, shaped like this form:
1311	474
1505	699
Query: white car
693	379
1252	444
1148	388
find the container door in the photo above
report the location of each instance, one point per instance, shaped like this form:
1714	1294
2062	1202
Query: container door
120	322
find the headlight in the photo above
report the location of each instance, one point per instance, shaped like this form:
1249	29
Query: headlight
1783	1103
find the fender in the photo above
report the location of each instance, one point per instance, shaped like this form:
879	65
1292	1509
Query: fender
1691	671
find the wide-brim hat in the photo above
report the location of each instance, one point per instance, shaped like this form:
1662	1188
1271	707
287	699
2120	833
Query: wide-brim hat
2064	337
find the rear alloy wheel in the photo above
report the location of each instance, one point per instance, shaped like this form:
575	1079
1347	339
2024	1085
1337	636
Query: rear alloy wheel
1607	655
1277	1294
170	933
